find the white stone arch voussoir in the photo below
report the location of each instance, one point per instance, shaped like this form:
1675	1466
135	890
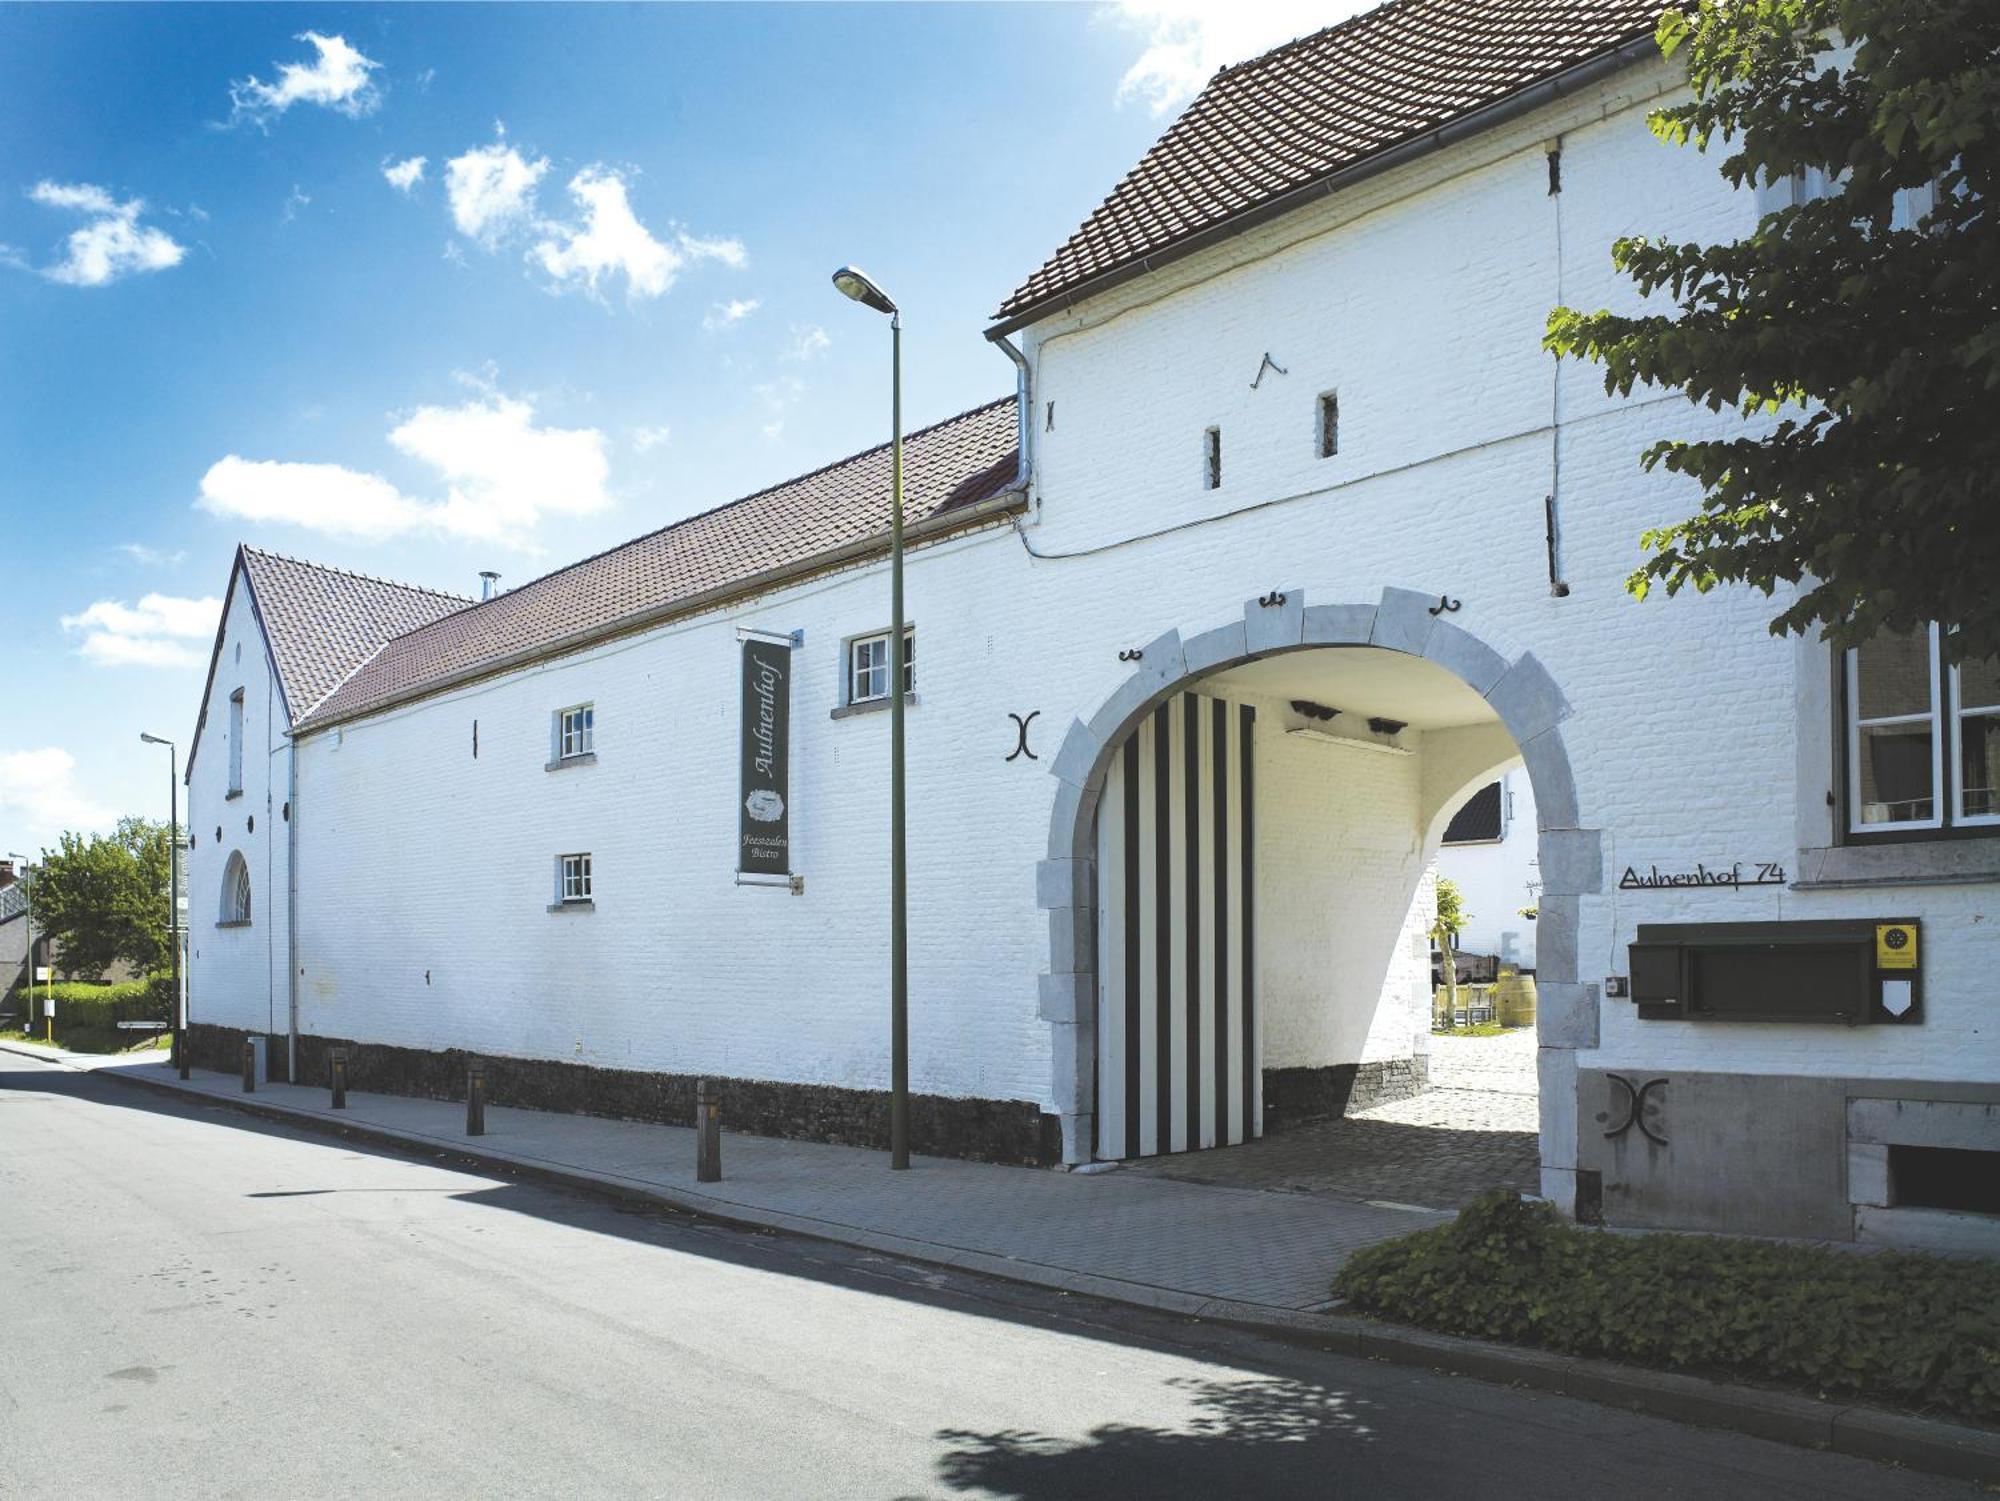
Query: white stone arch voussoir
1529	705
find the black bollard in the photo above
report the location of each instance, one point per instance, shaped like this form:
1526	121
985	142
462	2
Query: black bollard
249	1067
707	1133
475	1099
337	1063
181	1051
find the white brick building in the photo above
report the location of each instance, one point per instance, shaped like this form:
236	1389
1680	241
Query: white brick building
1291	541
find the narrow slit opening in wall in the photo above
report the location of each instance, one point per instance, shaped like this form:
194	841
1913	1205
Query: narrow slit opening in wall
1329	424
1211	451
1957	1178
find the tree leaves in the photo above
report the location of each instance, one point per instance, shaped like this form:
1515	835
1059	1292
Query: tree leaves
105	898
1862	345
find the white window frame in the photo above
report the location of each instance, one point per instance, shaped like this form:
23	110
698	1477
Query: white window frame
1960	712
1856	724
236	742
578	738
237	896
857	673
574	879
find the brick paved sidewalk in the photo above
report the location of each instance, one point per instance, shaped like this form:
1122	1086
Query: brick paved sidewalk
1122	1234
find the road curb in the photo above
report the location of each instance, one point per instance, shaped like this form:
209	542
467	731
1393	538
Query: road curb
1942	1448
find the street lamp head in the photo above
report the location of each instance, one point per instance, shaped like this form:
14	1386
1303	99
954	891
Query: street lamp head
852	281
154	739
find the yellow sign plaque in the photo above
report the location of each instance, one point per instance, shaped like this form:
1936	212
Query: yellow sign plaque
1895	945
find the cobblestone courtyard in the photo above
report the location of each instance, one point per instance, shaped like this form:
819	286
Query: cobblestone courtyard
1473	1129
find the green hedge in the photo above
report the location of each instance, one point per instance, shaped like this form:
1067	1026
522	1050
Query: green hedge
82	1007
1919	1331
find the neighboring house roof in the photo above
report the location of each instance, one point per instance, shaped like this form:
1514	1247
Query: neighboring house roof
13	901
803	523
320	624
1319	106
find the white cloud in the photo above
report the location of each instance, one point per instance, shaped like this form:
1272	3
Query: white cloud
733	311
152	557
114	244
502	473
405	174
327	498
646	439
777	397
160	631
294	203
39	799
807	342
715	248
611	241
1187	41
491	190
336	78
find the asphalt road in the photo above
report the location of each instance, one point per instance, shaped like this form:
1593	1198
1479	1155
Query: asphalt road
201	1303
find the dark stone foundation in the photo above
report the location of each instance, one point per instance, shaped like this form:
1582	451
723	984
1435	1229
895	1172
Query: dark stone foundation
1300	1096
1009	1131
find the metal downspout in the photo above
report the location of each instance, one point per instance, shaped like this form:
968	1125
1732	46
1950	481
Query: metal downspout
1024	409
292	907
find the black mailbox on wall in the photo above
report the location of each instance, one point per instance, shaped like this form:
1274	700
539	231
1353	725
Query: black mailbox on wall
1851	971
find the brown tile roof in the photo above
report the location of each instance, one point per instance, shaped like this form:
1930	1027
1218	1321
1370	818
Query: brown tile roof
323	623
1321	104
948	467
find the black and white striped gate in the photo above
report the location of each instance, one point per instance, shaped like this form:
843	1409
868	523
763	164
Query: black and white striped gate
1179	1064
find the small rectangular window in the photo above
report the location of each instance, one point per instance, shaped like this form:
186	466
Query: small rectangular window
868	667
1975	705
236	741
575	731
1329	424
573	878
1212	458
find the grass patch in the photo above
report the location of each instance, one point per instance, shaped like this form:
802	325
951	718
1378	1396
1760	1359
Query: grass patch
1484	1029
1916	1331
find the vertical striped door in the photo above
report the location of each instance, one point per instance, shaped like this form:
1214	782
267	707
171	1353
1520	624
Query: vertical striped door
1178	1059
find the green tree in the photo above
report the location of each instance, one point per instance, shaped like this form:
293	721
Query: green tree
1449	922
1871	344
105	898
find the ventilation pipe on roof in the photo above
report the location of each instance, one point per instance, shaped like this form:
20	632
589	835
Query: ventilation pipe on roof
488	583
1024	408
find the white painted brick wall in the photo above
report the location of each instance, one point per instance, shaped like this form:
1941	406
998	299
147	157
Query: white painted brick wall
236	976
1495	881
1421	297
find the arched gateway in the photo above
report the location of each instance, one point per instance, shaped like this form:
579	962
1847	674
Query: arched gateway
1526	711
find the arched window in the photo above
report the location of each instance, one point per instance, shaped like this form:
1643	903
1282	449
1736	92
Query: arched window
236	889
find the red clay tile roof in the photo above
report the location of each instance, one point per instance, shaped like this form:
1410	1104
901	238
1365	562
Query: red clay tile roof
1321	104
952	465
323	623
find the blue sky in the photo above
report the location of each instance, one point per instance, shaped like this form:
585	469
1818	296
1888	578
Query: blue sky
235	306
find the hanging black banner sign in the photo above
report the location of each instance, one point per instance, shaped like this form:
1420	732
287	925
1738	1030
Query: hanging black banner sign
764	842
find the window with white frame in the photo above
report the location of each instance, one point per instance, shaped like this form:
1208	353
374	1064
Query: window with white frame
1923	738
575	731
573	878
868	667
236	741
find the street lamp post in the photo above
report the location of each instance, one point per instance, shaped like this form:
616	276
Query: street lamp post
180	1058
852	282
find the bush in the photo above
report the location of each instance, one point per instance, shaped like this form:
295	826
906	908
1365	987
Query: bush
94	1011
1921	1331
